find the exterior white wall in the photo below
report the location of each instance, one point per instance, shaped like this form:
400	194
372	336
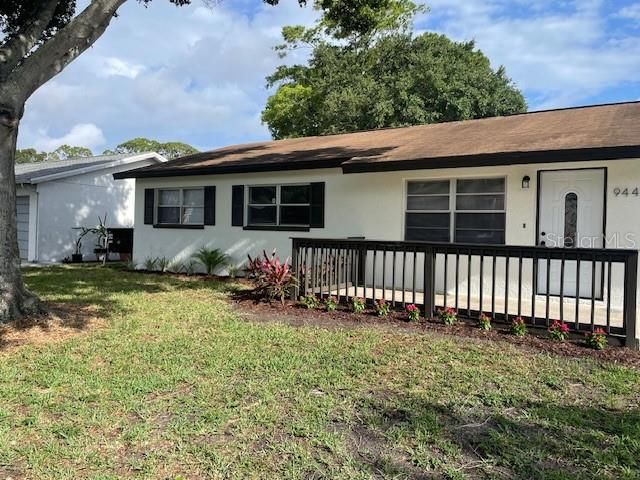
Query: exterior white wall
68	203
372	205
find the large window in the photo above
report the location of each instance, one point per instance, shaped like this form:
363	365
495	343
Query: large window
180	206
464	211
285	205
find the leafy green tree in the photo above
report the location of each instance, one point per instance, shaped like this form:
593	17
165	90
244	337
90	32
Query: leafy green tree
63	152
30	155
38	40
390	79
140	145
66	152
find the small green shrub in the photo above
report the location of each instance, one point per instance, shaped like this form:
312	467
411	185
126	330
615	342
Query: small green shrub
413	312
174	267
357	305
518	327
484	322
448	315
211	258
150	264
597	339
559	331
382	308
234	270
189	268
310	301
163	264
331	303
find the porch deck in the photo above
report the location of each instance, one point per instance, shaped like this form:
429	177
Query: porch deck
539	284
568	305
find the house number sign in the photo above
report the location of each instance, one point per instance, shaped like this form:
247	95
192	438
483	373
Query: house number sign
626	191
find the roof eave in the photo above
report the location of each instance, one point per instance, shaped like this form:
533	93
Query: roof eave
230	169
94	168
495	159
364	165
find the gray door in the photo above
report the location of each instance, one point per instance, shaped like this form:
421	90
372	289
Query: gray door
22	209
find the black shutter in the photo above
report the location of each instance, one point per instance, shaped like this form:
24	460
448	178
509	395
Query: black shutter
209	205
149	198
317	205
237	206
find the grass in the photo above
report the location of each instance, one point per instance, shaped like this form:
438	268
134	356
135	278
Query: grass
177	386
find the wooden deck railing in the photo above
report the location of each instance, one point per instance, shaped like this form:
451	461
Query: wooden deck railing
585	288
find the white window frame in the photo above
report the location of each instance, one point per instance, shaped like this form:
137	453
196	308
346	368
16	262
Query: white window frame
452	208
181	205
278	204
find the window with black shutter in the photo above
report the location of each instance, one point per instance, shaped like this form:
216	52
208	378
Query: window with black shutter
285	206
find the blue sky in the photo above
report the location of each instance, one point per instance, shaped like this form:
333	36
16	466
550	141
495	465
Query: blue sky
196	74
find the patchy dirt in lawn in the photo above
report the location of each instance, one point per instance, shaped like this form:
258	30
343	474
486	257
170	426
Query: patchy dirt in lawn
537	339
60	322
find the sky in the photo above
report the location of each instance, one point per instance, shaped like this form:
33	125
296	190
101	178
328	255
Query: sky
196	74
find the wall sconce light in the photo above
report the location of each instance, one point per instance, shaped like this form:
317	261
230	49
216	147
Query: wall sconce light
525	181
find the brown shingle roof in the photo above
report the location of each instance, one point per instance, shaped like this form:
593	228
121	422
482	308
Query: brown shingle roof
582	133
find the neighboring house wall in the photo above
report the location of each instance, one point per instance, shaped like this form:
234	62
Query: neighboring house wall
77	201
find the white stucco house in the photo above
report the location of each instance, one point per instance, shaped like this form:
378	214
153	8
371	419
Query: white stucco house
534	215
53	198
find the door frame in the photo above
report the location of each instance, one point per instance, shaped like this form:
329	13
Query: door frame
604	220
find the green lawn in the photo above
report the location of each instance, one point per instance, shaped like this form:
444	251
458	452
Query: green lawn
176	385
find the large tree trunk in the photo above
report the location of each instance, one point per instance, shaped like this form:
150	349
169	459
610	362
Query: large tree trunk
16	300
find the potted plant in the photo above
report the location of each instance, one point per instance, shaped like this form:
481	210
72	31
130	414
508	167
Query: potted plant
102	232
76	257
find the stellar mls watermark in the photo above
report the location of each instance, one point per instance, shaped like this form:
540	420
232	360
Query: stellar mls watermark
614	240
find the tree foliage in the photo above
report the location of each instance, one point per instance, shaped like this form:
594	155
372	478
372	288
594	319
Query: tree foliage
135	145
30	155
167	149
390	80
63	152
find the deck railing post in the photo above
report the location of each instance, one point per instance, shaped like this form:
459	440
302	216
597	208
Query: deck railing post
630	299
429	284
295	291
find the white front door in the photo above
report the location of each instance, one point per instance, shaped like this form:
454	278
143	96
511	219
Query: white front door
571	215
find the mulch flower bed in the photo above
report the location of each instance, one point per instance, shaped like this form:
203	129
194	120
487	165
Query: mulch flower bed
536	339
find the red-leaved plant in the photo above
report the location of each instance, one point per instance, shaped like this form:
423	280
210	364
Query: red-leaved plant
597	339
484	321
413	312
448	315
518	327
271	277
559	331
382	308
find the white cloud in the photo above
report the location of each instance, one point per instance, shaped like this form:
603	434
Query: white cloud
194	74
559	56
631	12
84	134
114	66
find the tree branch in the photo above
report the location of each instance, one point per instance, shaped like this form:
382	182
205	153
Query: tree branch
76	37
16	47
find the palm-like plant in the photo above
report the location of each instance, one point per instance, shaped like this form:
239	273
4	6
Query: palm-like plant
211	258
